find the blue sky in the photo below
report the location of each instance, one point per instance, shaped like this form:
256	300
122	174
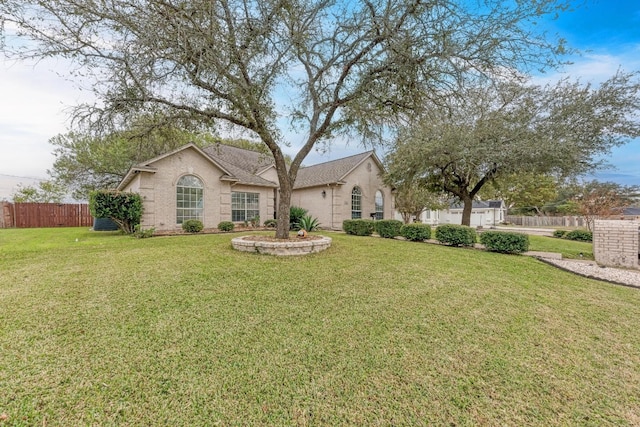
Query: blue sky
608	34
37	97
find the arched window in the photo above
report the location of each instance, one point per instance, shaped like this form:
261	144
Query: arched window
379	205
356	203
189	198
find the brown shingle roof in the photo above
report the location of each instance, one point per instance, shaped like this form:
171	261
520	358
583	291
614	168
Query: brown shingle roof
243	165
332	172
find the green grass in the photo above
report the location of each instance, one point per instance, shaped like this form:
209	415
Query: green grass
568	248
111	330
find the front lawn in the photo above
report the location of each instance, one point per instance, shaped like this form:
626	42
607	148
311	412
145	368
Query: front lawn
571	249
104	329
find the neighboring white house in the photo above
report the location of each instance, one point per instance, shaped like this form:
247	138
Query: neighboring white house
483	214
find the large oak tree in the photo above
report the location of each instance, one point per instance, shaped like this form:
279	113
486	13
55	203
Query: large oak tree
504	128
298	72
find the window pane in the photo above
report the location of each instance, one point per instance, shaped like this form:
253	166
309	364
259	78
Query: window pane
379	205
190	181
189	199
356	203
244	206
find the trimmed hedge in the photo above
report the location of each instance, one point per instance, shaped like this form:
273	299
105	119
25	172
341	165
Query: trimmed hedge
123	208
580	235
358	227
559	233
388	228
456	235
192	226
505	242
226	226
416	232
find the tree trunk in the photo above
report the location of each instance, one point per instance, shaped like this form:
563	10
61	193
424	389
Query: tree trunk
284	205
466	210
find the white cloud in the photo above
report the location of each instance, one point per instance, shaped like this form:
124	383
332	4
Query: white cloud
593	67
34	106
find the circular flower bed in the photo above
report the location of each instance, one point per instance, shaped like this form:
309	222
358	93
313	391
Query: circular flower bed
280	247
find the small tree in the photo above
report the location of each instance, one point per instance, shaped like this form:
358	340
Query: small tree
603	199
125	209
45	192
412	200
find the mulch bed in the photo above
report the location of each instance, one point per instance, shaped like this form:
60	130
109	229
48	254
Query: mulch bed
180	232
273	239
292	238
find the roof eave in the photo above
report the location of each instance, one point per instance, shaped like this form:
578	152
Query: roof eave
132	173
322	184
253	184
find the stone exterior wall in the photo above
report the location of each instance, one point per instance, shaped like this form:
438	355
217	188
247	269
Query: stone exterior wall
617	243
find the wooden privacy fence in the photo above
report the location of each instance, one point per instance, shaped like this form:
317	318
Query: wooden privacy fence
32	215
547	221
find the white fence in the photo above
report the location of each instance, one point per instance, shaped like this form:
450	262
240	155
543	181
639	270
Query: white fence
547	221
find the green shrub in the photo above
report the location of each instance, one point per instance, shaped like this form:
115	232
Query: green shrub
388	228
456	235
358	227
559	233
139	233
192	226
226	226
416	232
580	235
255	221
125	209
295	214
271	223
505	242
308	223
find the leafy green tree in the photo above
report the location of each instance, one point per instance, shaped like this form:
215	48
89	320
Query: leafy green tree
523	192
86	162
319	68
412	200
44	192
510	128
564	202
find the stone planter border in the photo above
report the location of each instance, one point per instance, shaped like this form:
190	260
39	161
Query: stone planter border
284	248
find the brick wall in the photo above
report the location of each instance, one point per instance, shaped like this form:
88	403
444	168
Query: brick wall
617	243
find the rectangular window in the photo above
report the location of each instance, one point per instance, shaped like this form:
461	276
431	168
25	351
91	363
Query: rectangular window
189	203
244	206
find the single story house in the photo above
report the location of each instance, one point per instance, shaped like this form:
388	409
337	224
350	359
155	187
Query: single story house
226	183
483	214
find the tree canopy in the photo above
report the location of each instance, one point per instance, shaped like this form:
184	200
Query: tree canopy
289	72
507	128
85	162
524	192
44	192
593	199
